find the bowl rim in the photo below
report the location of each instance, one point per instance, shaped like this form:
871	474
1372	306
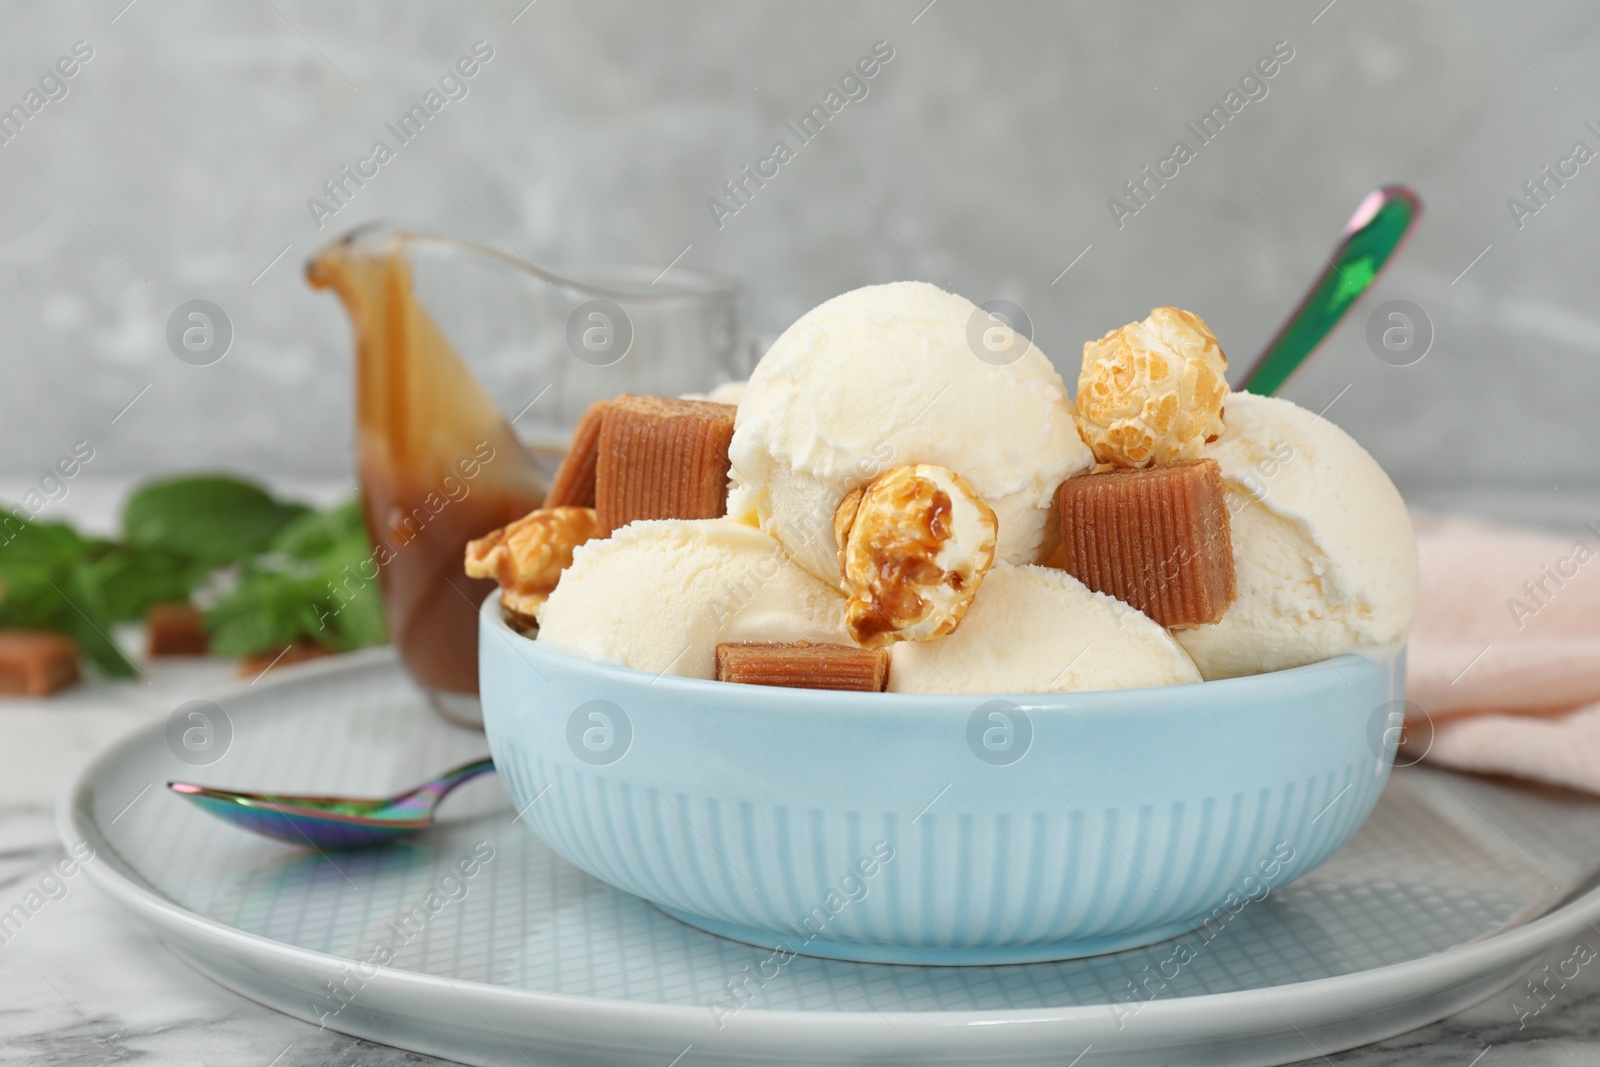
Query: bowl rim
1249	685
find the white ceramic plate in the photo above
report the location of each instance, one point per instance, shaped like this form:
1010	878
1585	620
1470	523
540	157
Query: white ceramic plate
474	942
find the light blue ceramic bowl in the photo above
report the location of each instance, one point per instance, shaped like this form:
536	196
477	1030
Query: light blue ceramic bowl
937	829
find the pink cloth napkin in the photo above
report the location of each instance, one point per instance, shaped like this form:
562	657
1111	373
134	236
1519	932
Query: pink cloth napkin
1504	658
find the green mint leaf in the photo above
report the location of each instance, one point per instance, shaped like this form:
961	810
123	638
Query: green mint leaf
129	580
38	547
314	534
56	602
318	584
212	519
265	611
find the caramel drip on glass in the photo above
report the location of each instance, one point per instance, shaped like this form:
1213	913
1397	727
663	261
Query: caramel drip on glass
439	464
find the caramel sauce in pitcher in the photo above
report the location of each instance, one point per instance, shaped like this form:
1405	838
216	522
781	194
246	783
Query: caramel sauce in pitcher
439	464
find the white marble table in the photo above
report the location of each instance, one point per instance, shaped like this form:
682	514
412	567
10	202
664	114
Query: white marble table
82	983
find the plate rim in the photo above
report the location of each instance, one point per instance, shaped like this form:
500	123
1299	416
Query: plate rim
1315	1000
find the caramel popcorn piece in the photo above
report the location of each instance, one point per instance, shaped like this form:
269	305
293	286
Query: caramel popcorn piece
1152	391
36	664
1156	539
526	558
523	608
803	665
914	544
174	630
662	459
573	485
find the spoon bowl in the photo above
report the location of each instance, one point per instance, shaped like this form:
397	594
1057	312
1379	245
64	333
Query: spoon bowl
332	822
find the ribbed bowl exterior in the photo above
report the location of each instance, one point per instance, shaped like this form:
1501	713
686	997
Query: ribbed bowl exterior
938	829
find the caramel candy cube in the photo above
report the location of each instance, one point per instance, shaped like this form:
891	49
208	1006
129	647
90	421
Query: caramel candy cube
300	652
34	663
804	665
174	630
662	459
1156	539
573	485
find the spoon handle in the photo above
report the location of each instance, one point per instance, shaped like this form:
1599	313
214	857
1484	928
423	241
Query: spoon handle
430	793
1371	237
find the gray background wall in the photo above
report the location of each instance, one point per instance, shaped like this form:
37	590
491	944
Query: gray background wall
179	165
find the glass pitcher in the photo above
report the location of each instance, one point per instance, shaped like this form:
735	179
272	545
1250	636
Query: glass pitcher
471	368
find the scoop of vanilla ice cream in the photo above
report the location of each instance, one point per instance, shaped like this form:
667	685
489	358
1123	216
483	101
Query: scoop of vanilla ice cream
660	595
1323	550
888	376
726	393
1039	630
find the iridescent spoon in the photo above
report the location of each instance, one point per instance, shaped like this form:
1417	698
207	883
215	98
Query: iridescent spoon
332	822
1370	239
